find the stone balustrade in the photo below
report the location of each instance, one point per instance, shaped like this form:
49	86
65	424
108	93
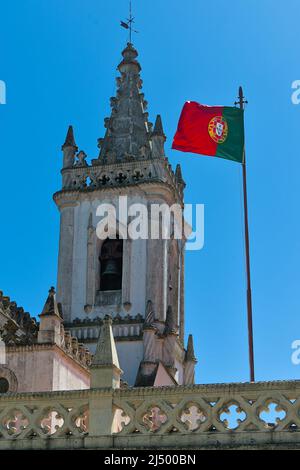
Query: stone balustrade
258	415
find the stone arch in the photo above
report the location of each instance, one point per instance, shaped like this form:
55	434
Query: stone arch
10	376
100	240
111	264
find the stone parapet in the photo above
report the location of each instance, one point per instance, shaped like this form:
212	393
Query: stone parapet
117	175
237	415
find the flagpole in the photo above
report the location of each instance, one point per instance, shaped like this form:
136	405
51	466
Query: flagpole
241	102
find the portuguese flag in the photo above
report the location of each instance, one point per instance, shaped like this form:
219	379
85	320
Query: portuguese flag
211	130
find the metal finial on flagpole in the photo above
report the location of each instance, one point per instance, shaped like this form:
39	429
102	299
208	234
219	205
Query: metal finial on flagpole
128	24
241	102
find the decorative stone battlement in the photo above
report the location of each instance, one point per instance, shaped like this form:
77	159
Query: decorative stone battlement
19	325
128	173
75	349
236	415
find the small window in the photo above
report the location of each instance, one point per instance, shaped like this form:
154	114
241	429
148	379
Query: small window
4	385
111	264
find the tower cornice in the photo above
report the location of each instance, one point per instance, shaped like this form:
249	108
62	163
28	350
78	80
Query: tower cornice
159	190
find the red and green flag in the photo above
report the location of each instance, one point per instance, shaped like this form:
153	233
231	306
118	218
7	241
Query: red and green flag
211	130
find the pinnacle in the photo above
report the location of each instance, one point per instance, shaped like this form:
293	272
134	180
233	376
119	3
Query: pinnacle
158	127
178	174
190	354
170	322
70	140
106	353
51	307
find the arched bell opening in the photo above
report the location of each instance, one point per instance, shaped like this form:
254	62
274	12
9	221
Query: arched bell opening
111	264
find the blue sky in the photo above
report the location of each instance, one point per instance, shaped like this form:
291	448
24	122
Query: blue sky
59	58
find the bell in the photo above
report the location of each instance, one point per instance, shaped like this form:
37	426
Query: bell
111	268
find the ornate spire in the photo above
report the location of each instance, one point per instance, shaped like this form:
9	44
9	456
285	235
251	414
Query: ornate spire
51	307
190	354
128	130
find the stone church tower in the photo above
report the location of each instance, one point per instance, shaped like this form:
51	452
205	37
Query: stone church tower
138	282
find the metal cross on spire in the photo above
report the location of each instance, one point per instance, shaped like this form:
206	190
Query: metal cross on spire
128	24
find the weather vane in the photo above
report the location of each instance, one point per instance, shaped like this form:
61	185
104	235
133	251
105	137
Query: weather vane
128	24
